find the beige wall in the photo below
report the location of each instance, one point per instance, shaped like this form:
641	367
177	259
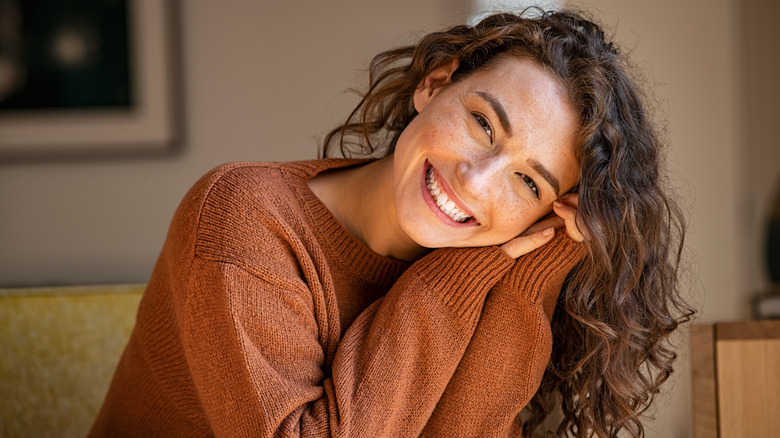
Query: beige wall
262	81
760	58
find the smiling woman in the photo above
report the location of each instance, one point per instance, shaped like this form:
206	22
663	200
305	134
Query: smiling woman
484	140
512	249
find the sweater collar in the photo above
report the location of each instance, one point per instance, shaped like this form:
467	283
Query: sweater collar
342	246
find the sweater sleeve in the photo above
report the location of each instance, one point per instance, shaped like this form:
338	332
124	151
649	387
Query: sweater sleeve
507	356
253	345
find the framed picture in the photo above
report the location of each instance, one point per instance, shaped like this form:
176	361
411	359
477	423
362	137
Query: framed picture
86	77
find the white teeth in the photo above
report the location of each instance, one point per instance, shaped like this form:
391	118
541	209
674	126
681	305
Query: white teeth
446	205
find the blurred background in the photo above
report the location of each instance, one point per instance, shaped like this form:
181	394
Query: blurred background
261	80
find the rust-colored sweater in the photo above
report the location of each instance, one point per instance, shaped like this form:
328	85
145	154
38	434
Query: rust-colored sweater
264	317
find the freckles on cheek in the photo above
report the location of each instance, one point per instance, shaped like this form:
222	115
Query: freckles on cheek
443	132
520	216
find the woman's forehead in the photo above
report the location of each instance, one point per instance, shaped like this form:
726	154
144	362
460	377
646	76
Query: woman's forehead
518	75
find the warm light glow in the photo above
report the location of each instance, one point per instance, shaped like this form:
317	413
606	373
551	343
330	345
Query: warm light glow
481	8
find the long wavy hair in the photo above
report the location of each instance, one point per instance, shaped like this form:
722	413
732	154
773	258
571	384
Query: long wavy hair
619	305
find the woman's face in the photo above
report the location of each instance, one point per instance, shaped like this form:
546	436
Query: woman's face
486	156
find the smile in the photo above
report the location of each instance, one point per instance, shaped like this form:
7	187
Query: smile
446	205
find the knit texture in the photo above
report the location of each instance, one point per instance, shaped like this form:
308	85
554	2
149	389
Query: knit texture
265	317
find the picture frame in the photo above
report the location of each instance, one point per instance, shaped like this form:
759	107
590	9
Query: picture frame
149	125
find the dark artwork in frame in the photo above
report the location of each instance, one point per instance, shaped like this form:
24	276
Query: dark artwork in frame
82	79
65	54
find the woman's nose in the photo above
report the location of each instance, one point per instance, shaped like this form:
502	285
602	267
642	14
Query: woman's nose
478	177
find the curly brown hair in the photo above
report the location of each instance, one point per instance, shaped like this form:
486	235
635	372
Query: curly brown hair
611	350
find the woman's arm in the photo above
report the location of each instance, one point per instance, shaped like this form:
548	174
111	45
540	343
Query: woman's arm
507	356
254	349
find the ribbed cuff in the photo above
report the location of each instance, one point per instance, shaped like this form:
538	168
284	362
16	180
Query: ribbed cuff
463	275
533	271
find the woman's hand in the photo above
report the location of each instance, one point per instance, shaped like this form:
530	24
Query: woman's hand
564	216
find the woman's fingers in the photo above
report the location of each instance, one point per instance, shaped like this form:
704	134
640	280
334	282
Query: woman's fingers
566	208
564	215
527	242
551	220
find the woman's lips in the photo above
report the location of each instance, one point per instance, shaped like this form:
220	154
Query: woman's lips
442	201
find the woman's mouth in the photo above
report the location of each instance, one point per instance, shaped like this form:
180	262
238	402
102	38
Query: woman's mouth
442	201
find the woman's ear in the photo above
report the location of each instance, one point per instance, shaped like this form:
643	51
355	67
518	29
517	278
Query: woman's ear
433	83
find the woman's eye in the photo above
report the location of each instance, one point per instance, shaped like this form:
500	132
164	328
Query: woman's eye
484	124
531	184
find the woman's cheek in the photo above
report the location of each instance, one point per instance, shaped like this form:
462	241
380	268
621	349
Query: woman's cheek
523	215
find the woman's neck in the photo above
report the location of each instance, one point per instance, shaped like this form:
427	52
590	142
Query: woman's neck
361	199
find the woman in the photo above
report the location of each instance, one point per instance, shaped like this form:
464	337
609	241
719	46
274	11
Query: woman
426	292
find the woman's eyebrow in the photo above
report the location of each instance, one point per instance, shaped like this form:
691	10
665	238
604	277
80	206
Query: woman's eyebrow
499	110
547	175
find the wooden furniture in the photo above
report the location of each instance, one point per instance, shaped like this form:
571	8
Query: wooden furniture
736	379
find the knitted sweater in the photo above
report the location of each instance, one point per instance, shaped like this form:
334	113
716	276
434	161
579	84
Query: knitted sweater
264	317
